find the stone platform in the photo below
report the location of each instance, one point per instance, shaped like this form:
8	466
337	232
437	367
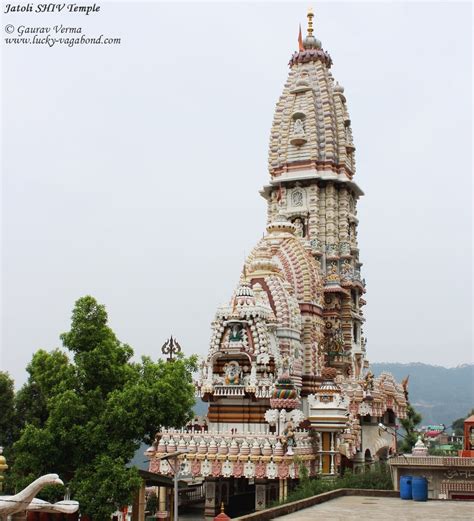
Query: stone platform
349	508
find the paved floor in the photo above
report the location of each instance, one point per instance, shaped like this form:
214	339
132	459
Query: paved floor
359	508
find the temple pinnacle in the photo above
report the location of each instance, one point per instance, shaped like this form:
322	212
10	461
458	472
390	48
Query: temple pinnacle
310	16
310	42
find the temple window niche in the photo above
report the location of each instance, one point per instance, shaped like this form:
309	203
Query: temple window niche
300	226
355	299
298	133
355	332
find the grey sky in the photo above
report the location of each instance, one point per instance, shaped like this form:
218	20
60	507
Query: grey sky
132	172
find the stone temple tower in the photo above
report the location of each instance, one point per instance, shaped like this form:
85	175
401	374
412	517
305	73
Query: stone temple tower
312	170
286	376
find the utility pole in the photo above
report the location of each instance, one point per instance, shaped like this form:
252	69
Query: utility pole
175	466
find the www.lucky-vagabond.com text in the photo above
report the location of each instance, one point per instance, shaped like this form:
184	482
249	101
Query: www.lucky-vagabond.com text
56	34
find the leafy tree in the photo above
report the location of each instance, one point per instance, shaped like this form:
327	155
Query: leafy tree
458	425
50	373
409	424
8	418
94	414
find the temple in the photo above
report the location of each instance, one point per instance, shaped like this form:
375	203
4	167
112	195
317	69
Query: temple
286	376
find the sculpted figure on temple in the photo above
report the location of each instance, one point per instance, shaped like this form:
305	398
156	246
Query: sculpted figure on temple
284	366
235	333
346	269
202	370
357	365
253	375
209	376
369	382
232	374
288	438
299	227
299	127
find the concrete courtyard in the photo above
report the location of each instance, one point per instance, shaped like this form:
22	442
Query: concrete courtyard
362	508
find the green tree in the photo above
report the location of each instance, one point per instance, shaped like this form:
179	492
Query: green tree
94	417
409	424
458	425
49	374
8	418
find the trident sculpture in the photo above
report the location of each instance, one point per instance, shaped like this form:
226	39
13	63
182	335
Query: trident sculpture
170	348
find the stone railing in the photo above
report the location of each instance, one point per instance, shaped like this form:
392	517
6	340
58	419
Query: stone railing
432	461
214	454
194	441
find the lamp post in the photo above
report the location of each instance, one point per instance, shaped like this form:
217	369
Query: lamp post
175	467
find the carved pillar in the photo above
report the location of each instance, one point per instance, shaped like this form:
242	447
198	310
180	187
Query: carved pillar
162	512
331	238
261	494
313	194
343	215
346	321
322	219
138	511
211	502
309	356
332	453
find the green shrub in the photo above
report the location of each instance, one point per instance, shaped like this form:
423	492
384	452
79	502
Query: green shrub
377	477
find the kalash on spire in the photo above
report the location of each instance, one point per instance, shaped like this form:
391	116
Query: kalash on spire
287	358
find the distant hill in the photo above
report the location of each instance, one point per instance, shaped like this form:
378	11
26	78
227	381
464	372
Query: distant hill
440	394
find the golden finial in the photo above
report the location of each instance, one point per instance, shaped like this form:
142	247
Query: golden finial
244	272
222	507
310	16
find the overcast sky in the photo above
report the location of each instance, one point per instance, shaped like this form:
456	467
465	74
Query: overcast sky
131	172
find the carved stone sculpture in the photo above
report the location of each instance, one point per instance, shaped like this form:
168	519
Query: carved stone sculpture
25	500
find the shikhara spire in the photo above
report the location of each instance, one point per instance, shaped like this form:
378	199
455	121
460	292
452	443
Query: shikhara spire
288	350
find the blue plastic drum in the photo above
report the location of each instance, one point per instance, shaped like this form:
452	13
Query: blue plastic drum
419	488
405	487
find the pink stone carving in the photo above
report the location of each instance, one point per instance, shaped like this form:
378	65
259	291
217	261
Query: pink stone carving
260	470
283	470
196	467
154	466
238	469
216	468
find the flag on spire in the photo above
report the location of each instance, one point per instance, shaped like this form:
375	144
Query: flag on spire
300	41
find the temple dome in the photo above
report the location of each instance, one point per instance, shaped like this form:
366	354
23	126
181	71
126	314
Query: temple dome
311	127
290	254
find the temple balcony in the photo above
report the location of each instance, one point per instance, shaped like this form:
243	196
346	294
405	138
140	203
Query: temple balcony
229	390
259	391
